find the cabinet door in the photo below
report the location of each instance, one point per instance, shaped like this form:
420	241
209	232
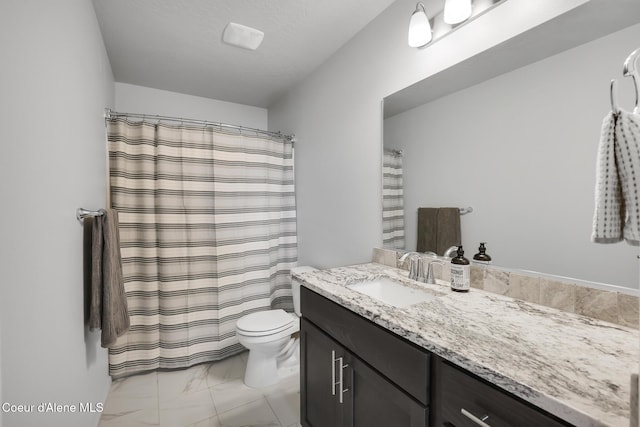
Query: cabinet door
319	372
379	403
339	389
406	365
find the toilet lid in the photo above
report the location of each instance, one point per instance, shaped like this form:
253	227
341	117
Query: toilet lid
265	322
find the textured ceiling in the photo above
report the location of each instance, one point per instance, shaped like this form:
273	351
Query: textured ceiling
176	45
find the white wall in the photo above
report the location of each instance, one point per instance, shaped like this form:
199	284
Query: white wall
139	99
55	82
521	149
336	116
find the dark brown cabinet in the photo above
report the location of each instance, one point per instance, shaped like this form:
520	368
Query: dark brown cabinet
320	405
378	402
354	373
461	399
339	388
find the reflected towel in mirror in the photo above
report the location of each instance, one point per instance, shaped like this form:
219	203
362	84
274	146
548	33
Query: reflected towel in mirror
438	229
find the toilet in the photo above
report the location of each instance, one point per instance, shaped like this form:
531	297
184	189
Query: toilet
273	352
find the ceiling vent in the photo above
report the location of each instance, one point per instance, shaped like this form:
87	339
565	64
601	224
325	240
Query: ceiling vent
242	36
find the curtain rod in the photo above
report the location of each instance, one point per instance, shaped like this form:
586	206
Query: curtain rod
110	114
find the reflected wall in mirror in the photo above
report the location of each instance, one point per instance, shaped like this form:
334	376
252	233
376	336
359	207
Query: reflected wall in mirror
520	147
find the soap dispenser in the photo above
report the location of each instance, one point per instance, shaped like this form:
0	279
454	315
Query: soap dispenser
460	274
482	257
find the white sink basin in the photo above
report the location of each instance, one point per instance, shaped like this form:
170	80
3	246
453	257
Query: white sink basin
393	293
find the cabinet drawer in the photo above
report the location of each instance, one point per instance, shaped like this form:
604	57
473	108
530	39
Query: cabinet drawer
456	390
403	363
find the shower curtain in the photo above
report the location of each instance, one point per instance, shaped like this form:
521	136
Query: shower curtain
208	234
392	201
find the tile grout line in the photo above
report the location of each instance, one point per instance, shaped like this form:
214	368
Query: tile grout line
213	402
273	410
158	397
238	406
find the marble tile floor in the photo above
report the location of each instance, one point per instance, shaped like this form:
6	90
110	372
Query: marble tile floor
207	395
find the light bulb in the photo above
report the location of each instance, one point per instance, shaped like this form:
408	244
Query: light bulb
419	28
457	11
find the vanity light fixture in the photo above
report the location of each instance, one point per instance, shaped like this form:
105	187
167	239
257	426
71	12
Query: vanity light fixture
419	27
456	11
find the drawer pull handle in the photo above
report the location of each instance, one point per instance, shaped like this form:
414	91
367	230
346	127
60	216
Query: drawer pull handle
478	421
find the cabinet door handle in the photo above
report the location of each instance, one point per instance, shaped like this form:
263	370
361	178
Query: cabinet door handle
333	372
341	381
478	421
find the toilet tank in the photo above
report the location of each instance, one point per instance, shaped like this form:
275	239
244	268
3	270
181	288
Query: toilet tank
295	287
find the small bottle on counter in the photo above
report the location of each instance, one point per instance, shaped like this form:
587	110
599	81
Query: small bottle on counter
481	257
460	274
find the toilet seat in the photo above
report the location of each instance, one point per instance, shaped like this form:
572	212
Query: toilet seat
264	323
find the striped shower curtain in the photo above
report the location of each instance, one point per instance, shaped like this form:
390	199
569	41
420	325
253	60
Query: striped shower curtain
208	234
392	201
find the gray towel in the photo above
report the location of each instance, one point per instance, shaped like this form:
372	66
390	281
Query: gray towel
95	308
87	242
427	230
108	310
438	229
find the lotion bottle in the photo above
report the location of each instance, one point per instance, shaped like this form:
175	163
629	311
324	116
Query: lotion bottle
460	274
482	257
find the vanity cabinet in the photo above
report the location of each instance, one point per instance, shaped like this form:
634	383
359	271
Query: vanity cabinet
461	399
354	373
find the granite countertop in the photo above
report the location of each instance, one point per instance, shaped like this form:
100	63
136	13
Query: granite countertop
572	366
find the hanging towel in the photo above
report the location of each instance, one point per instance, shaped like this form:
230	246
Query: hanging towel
427	229
448	229
438	229
95	309
87	242
108	309
617	198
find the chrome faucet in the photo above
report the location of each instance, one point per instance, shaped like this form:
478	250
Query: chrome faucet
429	279
408	254
450	253
416	265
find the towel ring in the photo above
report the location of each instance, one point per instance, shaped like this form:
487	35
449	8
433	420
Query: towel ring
612	96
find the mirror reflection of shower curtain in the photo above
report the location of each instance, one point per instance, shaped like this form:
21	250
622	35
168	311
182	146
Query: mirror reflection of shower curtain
207	233
392	201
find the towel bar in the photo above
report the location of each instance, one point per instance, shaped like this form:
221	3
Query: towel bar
83	213
464	211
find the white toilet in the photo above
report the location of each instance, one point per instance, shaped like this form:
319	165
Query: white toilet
267	335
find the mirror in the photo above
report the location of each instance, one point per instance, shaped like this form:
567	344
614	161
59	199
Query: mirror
514	133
